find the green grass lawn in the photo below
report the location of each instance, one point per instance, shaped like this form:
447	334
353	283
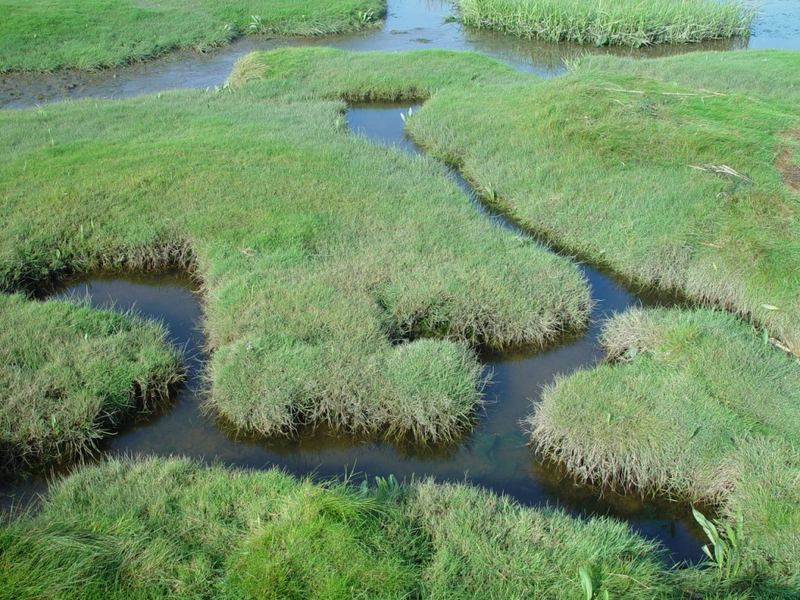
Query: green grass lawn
345	283
170	528
618	22
44	35
676	186
697	406
69	373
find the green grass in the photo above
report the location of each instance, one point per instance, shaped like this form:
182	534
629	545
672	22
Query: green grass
70	374
159	528
345	283
675	187
697	406
616	22
621	162
365	76
750	73
45	35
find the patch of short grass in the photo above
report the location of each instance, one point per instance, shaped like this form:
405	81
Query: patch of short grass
618	22
345	283
69	374
327	543
698	406
44	35
674	186
165	528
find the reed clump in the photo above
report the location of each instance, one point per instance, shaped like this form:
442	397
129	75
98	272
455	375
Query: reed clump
632	23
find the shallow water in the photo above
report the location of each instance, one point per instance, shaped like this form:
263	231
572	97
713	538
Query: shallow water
410	24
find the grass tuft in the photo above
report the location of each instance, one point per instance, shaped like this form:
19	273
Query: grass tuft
70	374
697	406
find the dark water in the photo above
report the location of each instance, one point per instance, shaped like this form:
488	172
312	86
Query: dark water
409	24
494	455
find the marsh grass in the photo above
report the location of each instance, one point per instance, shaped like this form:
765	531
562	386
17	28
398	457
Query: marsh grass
70	374
166	528
345	284
632	23
604	163
45	35
697	406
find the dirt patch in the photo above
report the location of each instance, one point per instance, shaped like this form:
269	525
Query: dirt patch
789	169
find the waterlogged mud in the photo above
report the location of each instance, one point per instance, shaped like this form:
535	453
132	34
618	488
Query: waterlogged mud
409	24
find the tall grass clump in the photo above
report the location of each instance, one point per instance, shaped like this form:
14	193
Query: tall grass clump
631	23
46	35
697	406
70	374
345	283
171	528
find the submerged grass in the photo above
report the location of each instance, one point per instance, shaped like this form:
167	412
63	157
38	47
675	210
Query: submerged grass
44	35
166	528
618	22
345	283
69	373
696	406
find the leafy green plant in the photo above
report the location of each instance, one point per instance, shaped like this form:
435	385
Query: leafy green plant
723	551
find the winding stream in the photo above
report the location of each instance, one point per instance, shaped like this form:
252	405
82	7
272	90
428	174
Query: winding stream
495	454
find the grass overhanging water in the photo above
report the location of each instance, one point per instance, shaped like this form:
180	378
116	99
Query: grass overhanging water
69	374
345	285
618	124
159	528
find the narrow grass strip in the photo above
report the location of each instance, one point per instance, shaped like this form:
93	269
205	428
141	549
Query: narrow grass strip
632	23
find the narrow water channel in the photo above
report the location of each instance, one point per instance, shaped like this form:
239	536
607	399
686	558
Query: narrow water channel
494	455
409	24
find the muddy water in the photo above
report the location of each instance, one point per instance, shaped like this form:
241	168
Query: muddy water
494	455
409	24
